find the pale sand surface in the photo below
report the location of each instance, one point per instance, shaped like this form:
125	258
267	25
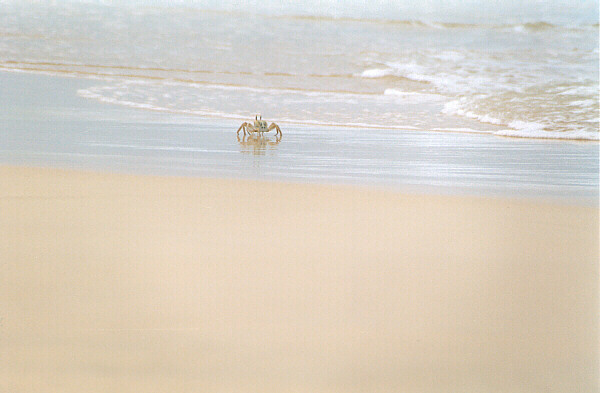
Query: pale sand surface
117	283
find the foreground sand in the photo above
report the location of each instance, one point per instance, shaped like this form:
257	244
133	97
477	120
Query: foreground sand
114	283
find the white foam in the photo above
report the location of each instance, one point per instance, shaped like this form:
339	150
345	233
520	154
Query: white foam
583	103
527	126
96	93
191	99
349	124
412	96
485	118
537	133
433	25
580	91
396	92
446	81
455	108
520	129
524	129
460	129
376	73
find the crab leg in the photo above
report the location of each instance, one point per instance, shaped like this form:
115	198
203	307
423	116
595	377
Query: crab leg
276	127
247	127
242	127
250	128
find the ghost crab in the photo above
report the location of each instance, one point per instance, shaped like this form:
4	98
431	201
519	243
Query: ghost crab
259	128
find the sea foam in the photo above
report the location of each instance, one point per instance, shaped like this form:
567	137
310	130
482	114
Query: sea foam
376	73
393	73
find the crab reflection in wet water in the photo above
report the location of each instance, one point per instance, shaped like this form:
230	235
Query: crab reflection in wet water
257	145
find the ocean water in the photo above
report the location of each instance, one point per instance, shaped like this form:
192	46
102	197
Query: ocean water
501	67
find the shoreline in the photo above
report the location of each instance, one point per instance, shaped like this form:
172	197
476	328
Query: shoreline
166	283
504	132
77	133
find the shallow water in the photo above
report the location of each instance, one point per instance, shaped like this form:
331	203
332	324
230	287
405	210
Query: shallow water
39	129
518	77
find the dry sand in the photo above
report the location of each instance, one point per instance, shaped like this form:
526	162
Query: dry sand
116	283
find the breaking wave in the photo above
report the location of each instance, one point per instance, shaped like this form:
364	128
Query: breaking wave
533	78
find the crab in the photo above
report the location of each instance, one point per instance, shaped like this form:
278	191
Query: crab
259	127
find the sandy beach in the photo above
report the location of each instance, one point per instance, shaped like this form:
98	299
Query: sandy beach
165	284
427	223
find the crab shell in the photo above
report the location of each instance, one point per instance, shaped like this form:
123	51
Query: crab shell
260	124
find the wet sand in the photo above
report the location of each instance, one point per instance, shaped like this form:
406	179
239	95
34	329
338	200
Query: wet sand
122	283
77	133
